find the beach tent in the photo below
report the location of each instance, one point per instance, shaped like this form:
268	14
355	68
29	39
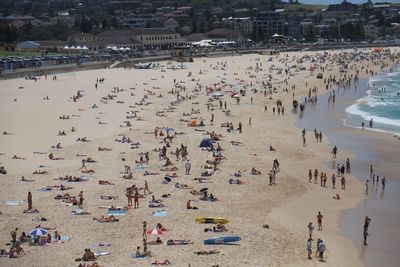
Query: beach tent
206	142
66	47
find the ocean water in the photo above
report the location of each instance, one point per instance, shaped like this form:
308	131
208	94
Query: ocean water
382	104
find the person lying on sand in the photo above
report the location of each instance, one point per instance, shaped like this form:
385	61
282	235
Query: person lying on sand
161	263
235	143
71	200
150	173
235	181
156	205
65	196
31	211
206	252
106	219
181	186
51	157
63	187
255	172
88	171
108	197
105	182
103	149
201	179
171	169
80	212
40	172
82	139
16	157
26	180
7	133
172	242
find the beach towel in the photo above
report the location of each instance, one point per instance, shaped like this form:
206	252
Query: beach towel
134	256
62	239
116	212
14	202
100	245
45	189
160	213
101	253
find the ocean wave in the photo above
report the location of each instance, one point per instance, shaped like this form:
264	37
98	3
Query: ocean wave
355	110
345	123
396	73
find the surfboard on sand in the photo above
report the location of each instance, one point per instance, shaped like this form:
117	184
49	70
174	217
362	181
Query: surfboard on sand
211	220
221	240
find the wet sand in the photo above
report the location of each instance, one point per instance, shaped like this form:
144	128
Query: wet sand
370	147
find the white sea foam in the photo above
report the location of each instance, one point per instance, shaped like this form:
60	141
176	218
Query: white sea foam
355	110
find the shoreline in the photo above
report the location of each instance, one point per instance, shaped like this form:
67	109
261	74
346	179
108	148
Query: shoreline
350	220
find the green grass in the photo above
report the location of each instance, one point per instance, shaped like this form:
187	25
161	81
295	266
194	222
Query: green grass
18	54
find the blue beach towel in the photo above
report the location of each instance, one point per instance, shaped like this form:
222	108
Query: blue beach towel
160	213
133	256
117	212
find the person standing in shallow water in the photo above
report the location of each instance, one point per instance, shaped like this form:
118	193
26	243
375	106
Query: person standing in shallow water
366	225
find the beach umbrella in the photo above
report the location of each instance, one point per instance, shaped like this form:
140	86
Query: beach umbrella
38	232
154	232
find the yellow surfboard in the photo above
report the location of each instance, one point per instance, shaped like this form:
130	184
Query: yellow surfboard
211	220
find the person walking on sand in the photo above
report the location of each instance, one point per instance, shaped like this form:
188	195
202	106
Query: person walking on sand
310	230
319	220
343	182
366	225
83	165
146	188
366	187
309	248
188	166
310	176
80	203
29	200
333	181
321	249
144	234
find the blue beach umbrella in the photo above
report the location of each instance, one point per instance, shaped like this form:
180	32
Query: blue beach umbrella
38	232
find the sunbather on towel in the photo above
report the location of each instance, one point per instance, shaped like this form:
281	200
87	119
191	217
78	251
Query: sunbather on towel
171	242
106	219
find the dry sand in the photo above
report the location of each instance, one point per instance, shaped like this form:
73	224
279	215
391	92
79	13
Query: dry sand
286	208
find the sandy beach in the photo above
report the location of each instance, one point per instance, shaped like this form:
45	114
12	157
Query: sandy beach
131	103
